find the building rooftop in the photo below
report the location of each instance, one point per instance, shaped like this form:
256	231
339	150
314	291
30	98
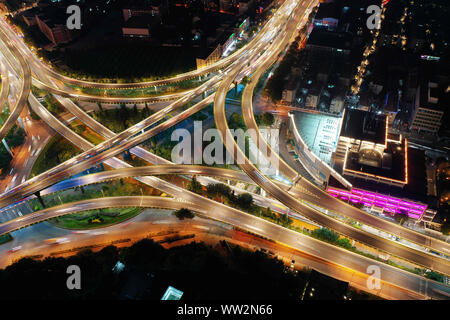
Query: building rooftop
221	39
142	4
324	38
172	294
389	165
53	16
415	190
363	125
320	133
143	21
328	10
431	96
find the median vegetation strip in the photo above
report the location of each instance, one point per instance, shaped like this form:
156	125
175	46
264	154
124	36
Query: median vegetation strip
141	92
5	238
95	218
115	188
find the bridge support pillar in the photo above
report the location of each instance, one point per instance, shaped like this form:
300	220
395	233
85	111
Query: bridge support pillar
38	195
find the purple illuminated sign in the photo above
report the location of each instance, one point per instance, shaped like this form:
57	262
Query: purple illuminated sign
388	203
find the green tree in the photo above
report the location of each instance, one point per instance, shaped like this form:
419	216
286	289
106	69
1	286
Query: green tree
15	136
245	80
267	119
325	234
218	189
244	201
184	213
236	121
78	129
195	186
286	220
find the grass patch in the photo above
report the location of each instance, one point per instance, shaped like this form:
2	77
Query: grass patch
142	92
5	238
55	152
86	132
114	188
95	218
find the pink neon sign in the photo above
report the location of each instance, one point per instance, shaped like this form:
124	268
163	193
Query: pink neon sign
388	203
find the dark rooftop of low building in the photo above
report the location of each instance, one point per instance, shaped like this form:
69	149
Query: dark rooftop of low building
432	96
53	15
222	39
143	21
392	101
330	39
364	125
142	4
328	10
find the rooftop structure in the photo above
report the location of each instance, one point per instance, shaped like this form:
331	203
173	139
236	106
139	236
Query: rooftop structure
364	126
388	203
137	8
327	15
368	152
172	294
52	24
428	108
138	26
377	164
320	133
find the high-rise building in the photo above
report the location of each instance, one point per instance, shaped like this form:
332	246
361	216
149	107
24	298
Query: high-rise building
428	112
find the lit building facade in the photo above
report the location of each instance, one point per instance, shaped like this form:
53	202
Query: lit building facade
389	204
427	115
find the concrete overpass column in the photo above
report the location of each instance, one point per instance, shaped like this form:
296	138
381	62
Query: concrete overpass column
38	195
